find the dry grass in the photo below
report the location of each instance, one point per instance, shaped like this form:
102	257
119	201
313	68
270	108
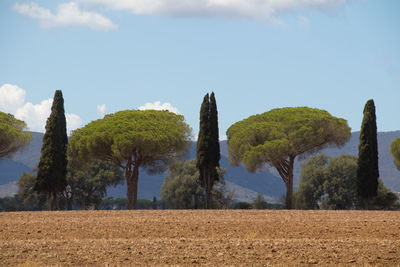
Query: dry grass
215	238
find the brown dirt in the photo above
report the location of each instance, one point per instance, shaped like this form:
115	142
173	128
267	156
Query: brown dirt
215	238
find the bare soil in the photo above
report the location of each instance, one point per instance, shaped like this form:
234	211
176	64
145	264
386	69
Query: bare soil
214	238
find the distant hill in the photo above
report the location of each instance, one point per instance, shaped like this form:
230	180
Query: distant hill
245	184
25	161
387	170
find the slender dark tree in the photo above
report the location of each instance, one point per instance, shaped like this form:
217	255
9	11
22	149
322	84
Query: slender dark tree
208	150
51	177
368	170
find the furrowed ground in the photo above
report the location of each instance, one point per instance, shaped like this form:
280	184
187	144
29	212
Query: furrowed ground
215	238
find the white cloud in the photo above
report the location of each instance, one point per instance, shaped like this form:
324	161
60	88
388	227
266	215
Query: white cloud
102	110
262	10
67	15
12	100
223	138
35	116
73	122
158	106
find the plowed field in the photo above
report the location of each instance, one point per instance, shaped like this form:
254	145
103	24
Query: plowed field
214	238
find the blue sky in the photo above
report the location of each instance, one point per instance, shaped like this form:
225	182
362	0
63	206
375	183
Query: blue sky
255	56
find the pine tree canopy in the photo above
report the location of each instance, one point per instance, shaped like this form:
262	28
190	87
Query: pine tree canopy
12	137
155	136
395	150
279	135
131	139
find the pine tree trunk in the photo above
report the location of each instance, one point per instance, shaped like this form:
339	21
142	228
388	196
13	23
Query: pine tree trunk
289	185
132	184
49	200
289	194
53	201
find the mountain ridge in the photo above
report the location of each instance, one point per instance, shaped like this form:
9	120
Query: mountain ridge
266	182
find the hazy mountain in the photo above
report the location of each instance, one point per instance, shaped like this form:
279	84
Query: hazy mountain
245	184
387	170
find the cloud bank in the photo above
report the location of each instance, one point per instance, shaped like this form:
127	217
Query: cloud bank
67	15
158	106
86	12
12	100
260	10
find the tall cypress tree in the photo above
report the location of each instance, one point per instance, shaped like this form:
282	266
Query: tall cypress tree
368	170
214	149
208	150
51	177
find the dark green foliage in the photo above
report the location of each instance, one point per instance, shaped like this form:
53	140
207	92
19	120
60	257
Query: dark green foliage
89	184
182	189
208	150
32	200
339	184
51	177
242	205
330	183
278	136
14	203
311	185
12	137
203	138
385	199
213	148
395	151
368	170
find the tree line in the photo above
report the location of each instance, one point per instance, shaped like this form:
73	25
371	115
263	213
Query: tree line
112	149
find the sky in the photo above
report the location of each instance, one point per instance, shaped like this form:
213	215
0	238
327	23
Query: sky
255	55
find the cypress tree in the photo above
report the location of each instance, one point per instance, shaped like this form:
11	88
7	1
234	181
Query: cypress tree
51	177
214	149
208	150
368	170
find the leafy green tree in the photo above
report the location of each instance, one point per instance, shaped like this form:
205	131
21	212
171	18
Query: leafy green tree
181	187
278	136
11	203
385	199
89	184
12	137
32	200
208	150
395	150
52	170
368	169
131	139
330	183
339	185
311	185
